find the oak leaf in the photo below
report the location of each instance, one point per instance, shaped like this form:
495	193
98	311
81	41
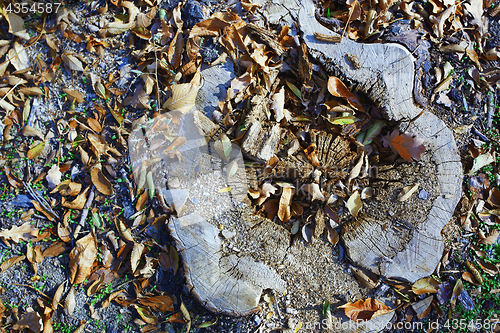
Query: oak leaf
23	232
405	144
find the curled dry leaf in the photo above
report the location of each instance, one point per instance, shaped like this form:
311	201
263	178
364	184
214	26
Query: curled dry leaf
124	230
113	296
365	310
405	144
146	315
278	104
354	203
101	183
20	233
423	307
312	155
67	188
332	235
338	89
162	303
78	203
82	258
284	213
314	191
72	62
491	238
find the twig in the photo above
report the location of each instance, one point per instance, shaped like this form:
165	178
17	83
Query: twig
85	212
40	199
348	20
490	107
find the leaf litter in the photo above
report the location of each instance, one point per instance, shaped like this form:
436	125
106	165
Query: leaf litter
175	88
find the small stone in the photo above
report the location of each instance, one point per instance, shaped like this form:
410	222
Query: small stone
92	28
291	311
423	195
228	234
194	201
257	320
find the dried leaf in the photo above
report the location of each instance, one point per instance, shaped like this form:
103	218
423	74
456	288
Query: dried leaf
407	192
57	296
295	90
164	303
70	302
36	150
184	95
423	307
67	188
30	320
10	262
82	258
338	89
187	316
74	95
354	203
78	203
54	176
32	132
113	296
481	161
97	285
332	235
136	256
72	62
491	238
284	213
425	285
405	144
314	190
20	233
365	310
278	104
101	183
146	315
124	230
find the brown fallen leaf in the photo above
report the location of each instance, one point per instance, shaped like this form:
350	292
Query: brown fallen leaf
58	296
56	249
365	310
13	179
30	320
354	203
11	262
146	315
405	144
79	201
184	95
338	89
425	285
67	188
113	296
491	238
284	213
164	303
18	233
101	183
82	258
136	256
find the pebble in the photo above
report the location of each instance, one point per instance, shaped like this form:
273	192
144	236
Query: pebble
291	311
257	320
92	28
194	201
423	195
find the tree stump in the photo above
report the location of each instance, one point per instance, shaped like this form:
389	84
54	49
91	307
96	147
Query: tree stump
230	255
